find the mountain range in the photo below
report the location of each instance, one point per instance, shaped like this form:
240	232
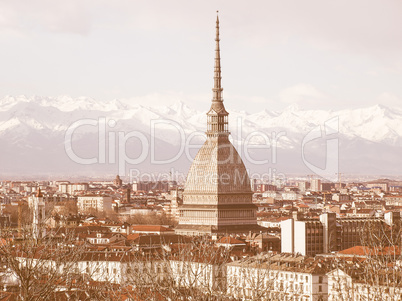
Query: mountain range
35	132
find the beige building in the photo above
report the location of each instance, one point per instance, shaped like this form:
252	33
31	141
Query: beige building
217	196
277	277
378	184
315	185
72	188
393	200
361	284
303	237
86	203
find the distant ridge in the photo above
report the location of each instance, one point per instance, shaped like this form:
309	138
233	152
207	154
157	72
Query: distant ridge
32	133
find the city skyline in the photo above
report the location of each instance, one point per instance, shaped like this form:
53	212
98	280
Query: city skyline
302	130
98	199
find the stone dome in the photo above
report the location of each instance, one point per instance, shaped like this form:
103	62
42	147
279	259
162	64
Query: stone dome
217	168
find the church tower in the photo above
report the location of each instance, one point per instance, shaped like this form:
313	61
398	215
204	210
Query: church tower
38	206
217	197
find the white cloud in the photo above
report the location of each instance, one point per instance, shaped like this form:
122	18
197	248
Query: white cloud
168	98
143	48
26	16
304	94
390	99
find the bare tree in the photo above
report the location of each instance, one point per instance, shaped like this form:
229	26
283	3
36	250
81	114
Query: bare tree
192	271
374	273
152	219
40	265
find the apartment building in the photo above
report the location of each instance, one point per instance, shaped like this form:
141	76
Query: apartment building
73	188
277	277
86	203
303	237
329	233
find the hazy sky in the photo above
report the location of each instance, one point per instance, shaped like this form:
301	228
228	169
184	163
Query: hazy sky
324	54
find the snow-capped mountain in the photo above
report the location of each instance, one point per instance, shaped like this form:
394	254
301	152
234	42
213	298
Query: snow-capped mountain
33	132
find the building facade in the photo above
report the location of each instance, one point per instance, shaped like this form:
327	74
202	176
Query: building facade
278	277
73	188
86	203
329	233
315	185
303	237
150	186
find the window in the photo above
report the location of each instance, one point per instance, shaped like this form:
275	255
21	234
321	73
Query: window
320	288
320	279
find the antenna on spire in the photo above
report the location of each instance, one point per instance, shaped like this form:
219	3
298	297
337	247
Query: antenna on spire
217	90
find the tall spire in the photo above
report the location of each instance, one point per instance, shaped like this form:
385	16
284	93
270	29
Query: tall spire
217	121
217	90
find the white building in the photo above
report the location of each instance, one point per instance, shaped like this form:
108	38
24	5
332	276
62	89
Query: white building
359	284
340	197
315	185
291	195
36	203
95	202
72	188
304	237
104	238
278	277
124	268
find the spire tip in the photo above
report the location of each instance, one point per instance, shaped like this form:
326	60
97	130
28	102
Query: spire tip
217	90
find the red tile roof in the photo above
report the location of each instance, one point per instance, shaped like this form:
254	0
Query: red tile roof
150	228
366	251
133	236
230	240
